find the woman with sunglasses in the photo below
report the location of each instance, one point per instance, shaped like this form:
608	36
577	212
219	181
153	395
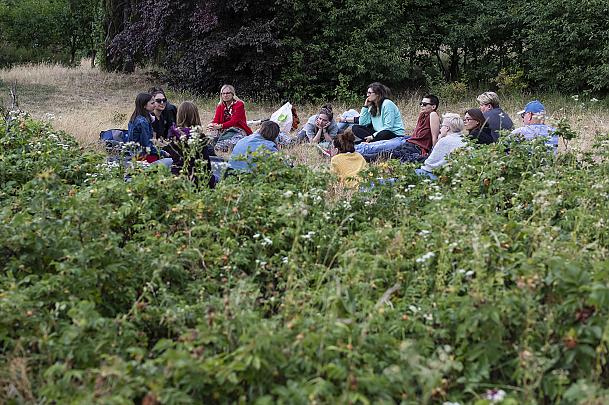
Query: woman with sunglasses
477	127
380	118
140	131
425	134
164	114
230	121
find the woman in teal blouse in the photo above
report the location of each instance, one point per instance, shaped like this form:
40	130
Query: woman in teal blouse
380	118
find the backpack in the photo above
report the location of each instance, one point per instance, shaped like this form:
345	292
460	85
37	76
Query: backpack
113	138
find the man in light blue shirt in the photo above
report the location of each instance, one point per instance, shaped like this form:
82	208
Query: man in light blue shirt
262	140
533	117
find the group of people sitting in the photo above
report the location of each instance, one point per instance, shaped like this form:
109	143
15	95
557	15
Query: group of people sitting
353	139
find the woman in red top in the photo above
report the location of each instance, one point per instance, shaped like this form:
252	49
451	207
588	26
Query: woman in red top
229	120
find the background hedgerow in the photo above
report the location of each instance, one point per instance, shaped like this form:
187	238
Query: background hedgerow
273	288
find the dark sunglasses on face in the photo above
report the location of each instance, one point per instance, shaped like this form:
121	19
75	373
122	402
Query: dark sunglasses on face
161	100
424	104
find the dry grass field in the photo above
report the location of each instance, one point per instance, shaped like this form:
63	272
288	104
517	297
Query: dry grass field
84	100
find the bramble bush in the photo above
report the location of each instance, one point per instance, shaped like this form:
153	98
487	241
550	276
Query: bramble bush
270	289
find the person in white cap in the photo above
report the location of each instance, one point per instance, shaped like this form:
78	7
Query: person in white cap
533	117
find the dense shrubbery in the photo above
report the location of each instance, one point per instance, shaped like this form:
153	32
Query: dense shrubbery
305	49
49	30
269	289
334	49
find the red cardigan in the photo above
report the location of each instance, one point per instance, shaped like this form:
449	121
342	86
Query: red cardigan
237	118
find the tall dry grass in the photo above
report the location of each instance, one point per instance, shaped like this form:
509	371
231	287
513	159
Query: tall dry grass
84	100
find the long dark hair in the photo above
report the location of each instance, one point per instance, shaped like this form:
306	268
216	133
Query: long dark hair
140	106
382	92
344	141
478	116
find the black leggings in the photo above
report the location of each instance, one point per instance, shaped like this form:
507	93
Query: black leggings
361	132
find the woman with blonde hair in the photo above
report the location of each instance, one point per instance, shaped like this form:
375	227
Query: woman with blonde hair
496	119
451	138
230	120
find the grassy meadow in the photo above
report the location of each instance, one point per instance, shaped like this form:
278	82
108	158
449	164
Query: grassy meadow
83	101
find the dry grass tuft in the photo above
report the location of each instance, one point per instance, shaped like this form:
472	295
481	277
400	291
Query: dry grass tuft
308	155
15	383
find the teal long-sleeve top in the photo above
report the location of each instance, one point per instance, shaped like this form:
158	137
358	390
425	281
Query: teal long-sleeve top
389	119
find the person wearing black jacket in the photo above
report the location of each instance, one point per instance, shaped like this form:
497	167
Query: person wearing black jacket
165	113
476	125
496	119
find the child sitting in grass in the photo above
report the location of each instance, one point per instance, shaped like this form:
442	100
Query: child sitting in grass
347	163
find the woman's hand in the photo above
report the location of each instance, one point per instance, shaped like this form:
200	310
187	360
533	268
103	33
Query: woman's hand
369	138
213	126
317	136
367	102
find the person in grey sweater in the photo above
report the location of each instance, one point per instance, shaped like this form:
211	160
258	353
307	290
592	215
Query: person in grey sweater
451	138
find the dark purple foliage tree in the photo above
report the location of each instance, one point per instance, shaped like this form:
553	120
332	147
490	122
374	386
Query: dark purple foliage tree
203	44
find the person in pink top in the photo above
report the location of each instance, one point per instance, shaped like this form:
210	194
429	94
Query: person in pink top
230	121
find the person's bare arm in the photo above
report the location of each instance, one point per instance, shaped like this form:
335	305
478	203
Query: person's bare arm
317	136
434	124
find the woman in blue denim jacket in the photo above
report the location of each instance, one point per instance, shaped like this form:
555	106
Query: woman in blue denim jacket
140	130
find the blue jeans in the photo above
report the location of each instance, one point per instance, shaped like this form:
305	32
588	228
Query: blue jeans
374	149
421	172
167	162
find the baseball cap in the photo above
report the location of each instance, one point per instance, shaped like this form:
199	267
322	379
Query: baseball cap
534	107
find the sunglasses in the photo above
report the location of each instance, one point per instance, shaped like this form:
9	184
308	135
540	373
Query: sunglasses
160	100
424	104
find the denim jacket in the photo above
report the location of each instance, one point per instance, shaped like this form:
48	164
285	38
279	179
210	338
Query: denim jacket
140	131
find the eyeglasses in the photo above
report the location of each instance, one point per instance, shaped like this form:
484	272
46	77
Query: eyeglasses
160	100
226	93
424	104
523	114
369	93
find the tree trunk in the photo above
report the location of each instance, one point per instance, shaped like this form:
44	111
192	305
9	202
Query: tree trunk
454	64
116	14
